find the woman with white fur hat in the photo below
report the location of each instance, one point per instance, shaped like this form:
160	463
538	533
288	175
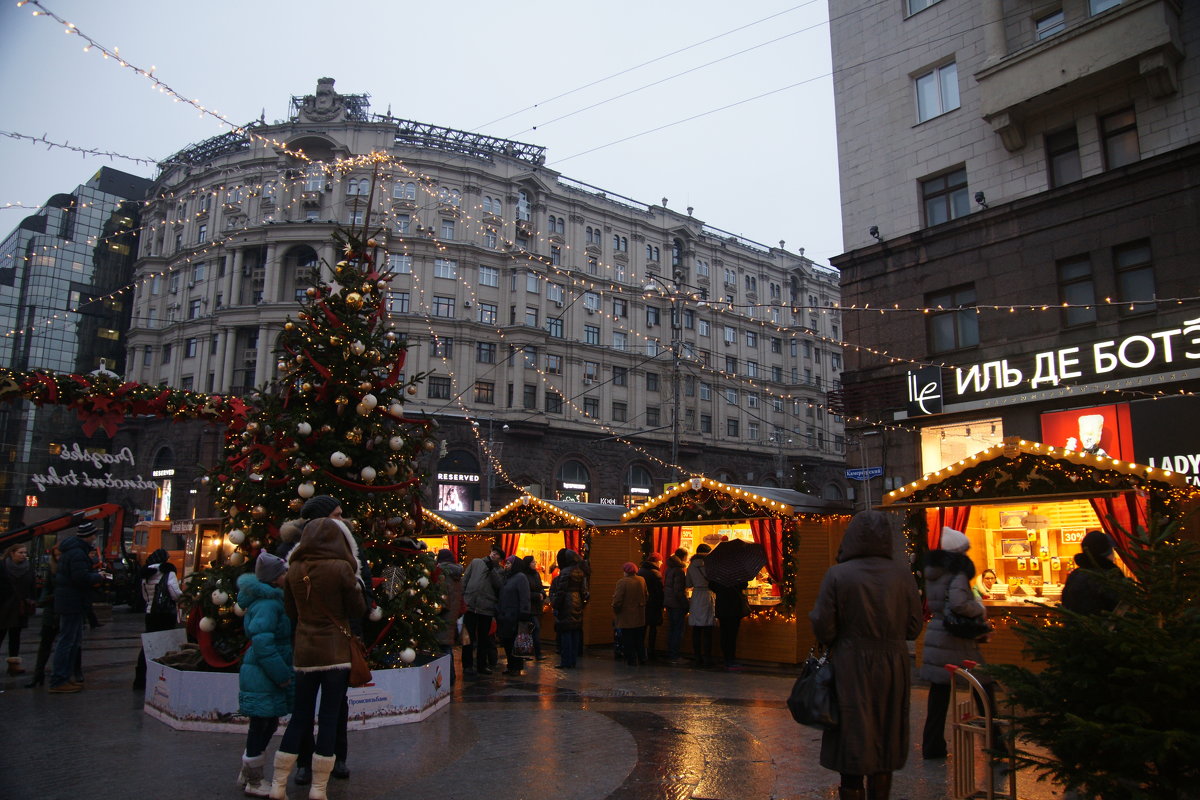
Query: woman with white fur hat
948	574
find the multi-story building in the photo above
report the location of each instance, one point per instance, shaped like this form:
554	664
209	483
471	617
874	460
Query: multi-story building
559	321
1019	187
63	306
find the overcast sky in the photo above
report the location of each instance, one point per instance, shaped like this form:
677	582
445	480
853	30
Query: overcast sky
763	168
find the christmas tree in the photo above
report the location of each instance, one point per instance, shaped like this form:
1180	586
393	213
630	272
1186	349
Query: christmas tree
333	423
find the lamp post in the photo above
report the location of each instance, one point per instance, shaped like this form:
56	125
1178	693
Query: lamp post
780	439
672	291
862	463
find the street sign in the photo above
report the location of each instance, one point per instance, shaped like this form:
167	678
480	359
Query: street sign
864	473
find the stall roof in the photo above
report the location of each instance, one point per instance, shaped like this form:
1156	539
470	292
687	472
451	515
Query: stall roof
453	521
752	501
528	512
1023	470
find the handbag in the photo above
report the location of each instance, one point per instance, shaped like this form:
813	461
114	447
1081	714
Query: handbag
962	627
360	670
523	644
813	700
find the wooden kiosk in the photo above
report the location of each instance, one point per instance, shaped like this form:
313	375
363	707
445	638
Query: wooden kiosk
799	533
1026	507
448	529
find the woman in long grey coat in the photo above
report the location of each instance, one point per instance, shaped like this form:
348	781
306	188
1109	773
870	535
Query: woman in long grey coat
948	574
867	608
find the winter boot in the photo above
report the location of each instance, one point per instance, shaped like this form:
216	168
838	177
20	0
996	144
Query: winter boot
879	786
14	666
321	767
283	767
848	793
254	784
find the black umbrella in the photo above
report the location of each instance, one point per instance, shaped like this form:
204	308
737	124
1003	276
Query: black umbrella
734	561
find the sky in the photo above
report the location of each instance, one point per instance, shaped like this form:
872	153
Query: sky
725	107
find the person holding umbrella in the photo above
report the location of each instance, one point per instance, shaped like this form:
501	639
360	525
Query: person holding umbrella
729	567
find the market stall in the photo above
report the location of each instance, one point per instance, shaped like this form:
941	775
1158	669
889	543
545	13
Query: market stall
532	526
799	535
1026	506
449	529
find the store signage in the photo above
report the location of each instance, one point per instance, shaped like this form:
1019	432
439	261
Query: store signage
1073	537
80	477
575	486
925	391
608	501
457	477
1165	349
864	473
1163	437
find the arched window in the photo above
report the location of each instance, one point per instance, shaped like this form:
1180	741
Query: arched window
574	482
523	209
639	486
404	190
314	178
676	252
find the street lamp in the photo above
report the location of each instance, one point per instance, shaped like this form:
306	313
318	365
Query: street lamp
780	439
672	291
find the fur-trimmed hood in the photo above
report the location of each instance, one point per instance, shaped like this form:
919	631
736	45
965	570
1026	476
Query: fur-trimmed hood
325	538
939	562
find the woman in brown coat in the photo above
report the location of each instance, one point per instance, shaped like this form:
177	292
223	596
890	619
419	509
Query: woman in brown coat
321	595
867	608
629	607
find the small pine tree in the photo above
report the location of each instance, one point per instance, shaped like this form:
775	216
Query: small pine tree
1112	713
333	423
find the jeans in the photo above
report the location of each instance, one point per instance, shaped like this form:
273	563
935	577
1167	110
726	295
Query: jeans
569	643
258	736
478	627
332	684
677	619
70	643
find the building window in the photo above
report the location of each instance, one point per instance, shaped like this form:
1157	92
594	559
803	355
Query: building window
403	224
653	417
401	265
398	302
194	308
953	322
945	197
1049	25
752	430
443	347
445	268
447	229
1097	6
198	272
1062	157
593	265
523	212
189	348
529	396
202	234
591	334
652	381
489	276
443	306
1118	131
554	293
620	243
554	328
731	365
653	316
937	91
354	218
485	392
919	5
1135	277
438	388
591	407
731	428
166	353
620	376
702	327
553	364
730	335
531	316
1076	288
706	423
702	268
485	352
620	411
619	340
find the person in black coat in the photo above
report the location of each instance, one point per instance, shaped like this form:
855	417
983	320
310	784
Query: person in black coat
731	607
1091	588
652	574
72	598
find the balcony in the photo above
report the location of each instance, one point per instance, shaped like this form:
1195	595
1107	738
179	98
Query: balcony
1138	40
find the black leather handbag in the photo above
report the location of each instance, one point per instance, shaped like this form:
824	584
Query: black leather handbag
813	700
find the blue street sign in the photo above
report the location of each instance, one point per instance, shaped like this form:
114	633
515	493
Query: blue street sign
864	473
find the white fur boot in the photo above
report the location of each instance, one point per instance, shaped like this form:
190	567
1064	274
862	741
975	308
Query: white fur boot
321	767
283	768
254	784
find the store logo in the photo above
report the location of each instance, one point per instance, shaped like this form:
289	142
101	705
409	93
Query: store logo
925	391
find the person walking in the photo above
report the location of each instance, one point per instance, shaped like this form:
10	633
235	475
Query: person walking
18	602
266	677
512	612
629	608
72	598
867	609
450	575
701	607
651	573
676	602
1091	588
568	597
160	592
322	593
481	592
731	607
948	574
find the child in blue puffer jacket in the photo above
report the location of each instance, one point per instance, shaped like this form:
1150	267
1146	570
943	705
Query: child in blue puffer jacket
265	681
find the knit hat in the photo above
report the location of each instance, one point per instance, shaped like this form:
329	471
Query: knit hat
954	541
680	553
85	529
444	555
268	568
1097	545
703	548
321	505
629	567
655	557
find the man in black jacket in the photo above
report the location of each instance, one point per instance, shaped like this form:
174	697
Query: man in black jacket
72	598
1092	585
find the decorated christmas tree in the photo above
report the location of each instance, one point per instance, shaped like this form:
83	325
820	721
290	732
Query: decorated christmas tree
333	423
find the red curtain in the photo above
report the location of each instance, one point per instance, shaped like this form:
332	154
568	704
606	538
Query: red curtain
573	539
944	516
665	539
1121	516
768	533
452	544
509	542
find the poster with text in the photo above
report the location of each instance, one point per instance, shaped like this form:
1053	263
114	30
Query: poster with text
1166	436
1098	430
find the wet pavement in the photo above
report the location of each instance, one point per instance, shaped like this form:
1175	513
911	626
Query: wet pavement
604	730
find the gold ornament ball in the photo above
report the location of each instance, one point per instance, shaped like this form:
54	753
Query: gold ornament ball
305	388
365	386
252	426
391	336
258	512
326	429
381	285
366	288
354	300
295	504
289	325
307	469
310	292
372	243
429	444
335	341
411	390
375	355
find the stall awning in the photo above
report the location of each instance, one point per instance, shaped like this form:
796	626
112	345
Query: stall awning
529	513
715	500
439	523
1031	471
